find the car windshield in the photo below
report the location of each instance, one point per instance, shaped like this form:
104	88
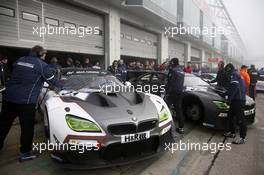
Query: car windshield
89	81
194	81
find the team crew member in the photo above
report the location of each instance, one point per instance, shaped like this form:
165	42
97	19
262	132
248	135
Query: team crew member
245	76
174	90
188	68
122	70
254	76
236	95
222	79
20	97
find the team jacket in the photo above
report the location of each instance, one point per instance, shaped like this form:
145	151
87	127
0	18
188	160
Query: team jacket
254	76
29	74
237	88
175	80
222	79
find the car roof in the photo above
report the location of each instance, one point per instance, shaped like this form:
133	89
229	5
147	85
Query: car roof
80	71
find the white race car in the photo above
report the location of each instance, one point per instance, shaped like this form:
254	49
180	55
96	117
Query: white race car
107	126
260	84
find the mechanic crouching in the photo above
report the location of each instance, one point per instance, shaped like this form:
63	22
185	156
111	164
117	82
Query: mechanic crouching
20	98
174	90
236	95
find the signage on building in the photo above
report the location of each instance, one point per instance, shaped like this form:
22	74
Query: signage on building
215	60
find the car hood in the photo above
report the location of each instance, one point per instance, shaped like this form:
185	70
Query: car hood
214	92
209	91
116	106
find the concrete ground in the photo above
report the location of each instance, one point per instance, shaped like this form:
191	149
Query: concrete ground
240	160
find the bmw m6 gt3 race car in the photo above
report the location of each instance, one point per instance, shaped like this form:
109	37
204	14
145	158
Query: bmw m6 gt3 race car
118	126
201	101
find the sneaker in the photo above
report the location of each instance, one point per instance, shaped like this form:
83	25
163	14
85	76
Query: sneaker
180	130
239	141
27	156
229	134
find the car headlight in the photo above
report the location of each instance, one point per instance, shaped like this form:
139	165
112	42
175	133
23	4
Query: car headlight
221	105
164	115
81	125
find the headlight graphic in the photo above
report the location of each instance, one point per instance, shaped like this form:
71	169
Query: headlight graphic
164	115
81	125
221	105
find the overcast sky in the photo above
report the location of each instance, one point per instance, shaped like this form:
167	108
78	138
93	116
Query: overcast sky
248	16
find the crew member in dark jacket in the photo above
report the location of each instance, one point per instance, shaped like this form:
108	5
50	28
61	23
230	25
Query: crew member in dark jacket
254	77
122	71
5	72
236	96
174	90
21	95
222	79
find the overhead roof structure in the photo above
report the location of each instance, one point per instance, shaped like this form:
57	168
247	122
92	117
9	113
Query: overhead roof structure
222	17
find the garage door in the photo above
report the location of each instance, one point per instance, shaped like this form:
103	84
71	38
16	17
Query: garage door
176	49
195	53
66	26
138	43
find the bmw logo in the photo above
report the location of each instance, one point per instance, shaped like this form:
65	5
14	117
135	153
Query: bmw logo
134	119
129	112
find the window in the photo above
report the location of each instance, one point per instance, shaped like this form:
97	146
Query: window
129	37
30	17
136	39
155	44
69	25
50	21
122	35
7	11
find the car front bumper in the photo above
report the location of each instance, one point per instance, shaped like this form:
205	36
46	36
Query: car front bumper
114	154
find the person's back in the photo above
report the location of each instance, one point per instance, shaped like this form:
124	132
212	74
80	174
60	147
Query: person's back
188	69
237	87
21	95
222	79
245	75
254	75
28	76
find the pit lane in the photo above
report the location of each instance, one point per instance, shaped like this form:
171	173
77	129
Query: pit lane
242	159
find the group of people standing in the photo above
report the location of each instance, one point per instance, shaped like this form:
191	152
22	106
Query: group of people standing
69	63
238	85
118	69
